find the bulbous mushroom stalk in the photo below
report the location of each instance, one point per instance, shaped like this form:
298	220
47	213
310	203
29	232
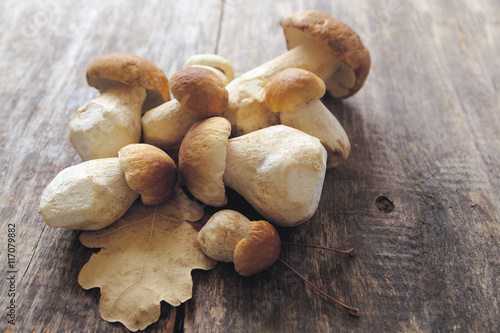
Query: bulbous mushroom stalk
199	93
128	84
229	236
87	196
317	43
295	93
279	170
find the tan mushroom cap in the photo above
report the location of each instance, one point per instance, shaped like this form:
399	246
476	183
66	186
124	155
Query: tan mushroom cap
212	60
200	91
149	171
259	250
293	88
131	70
202	160
339	39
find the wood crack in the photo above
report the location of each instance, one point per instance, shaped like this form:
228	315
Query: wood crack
219	27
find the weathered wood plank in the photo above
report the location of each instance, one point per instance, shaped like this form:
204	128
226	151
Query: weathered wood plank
45	49
425	136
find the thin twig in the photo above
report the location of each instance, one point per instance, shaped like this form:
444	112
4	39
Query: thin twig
352	311
349	252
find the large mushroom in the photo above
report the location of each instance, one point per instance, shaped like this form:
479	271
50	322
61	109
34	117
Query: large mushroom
95	193
317	43
129	85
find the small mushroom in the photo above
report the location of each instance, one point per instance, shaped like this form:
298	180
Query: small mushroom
128	84
296	93
229	236
202	160
279	170
148	171
199	93
317	43
253	246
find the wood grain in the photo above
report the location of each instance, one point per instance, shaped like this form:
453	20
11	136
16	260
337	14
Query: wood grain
418	198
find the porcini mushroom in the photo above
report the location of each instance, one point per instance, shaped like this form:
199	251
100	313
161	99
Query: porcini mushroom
279	170
202	160
199	93
296	93
128	84
148	171
95	193
229	236
317	43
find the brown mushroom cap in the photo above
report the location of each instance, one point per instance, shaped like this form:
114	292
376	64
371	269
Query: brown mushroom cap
202	160
259	250
293	88
131	70
200	91
339	39
149	171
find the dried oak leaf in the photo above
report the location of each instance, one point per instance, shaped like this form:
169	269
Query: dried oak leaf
146	257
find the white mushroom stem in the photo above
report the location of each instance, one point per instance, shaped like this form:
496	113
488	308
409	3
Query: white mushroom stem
279	170
315	119
247	111
166	125
87	196
109	122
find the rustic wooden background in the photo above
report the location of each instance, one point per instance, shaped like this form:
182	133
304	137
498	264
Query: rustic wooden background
418	198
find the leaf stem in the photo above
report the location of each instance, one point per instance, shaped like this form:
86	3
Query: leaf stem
352	311
349	252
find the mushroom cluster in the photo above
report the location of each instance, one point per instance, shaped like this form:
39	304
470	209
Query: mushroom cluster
265	135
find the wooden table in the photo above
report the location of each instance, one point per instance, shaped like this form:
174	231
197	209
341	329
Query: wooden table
418	197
